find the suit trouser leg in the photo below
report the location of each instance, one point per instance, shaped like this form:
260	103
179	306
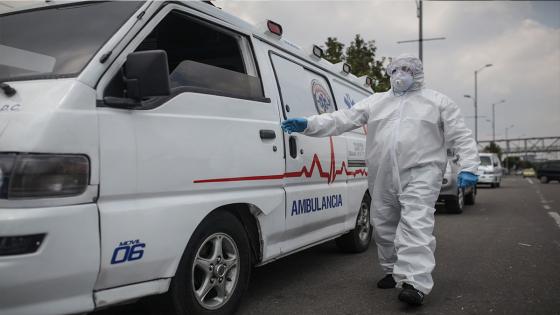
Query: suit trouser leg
414	240
385	215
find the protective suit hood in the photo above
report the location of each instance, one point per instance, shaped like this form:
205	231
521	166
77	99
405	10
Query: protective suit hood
414	65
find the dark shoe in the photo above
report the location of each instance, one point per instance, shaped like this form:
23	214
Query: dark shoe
410	295
387	283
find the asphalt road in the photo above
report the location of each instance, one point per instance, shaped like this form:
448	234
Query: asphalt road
500	256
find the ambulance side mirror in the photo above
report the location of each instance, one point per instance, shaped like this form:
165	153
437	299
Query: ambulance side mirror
146	74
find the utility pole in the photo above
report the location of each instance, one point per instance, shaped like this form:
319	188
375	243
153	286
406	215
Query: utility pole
420	39
419	15
476	100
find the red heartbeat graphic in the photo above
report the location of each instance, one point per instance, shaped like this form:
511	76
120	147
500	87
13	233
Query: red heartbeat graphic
330	175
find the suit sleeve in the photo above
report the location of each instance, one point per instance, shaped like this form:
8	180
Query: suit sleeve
340	121
459	137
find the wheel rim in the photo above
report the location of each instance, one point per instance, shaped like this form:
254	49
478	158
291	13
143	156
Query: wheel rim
362	224
460	199
215	271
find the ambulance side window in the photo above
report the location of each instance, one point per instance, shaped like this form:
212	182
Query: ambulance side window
304	91
347	95
202	58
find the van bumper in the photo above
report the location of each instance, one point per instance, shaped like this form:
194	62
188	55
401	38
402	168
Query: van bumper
58	278
487	179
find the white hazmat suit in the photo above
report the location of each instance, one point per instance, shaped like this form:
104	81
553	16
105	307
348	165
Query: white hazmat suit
407	137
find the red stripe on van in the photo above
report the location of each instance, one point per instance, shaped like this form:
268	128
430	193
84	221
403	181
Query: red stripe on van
330	175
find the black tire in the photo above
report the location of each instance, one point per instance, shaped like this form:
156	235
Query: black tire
492	185
544	179
498	184
358	240
470	199
455	204
225	228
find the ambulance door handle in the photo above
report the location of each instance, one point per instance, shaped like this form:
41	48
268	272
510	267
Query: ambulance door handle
293	147
267	134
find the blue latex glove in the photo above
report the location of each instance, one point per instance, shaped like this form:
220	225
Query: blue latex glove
467	179
294	125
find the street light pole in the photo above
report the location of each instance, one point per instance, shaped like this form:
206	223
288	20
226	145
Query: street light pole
476	100
475	118
475	108
494	119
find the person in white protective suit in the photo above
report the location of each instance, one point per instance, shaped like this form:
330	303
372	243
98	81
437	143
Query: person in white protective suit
408	130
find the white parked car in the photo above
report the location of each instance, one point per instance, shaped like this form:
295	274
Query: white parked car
453	197
141	152
490	170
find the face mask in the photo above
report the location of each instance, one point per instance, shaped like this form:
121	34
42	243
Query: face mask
401	81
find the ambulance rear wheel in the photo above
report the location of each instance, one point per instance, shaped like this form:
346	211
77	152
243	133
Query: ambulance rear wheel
215	268
357	240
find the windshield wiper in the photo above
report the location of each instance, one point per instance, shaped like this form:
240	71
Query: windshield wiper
8	90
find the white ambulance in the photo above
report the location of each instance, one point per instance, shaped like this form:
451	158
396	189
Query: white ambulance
141	153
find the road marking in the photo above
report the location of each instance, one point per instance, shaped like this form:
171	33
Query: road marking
542	198
546	207
555	216
523	244
530	181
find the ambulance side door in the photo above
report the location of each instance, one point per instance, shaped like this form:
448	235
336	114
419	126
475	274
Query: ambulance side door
168	163
315	181
347	96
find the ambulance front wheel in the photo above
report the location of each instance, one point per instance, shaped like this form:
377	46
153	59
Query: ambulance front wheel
357	240
215	268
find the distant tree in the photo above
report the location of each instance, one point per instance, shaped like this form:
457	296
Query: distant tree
525	164
378	73
334	51
493	148
360	55
511	162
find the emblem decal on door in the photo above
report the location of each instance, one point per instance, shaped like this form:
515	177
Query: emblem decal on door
348	100
322	98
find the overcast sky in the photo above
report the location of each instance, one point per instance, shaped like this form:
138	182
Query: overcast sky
521	40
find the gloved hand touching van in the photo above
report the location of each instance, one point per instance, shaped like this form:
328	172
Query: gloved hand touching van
467	179
294	124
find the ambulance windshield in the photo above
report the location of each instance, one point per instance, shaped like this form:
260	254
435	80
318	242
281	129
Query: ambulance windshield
57	41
